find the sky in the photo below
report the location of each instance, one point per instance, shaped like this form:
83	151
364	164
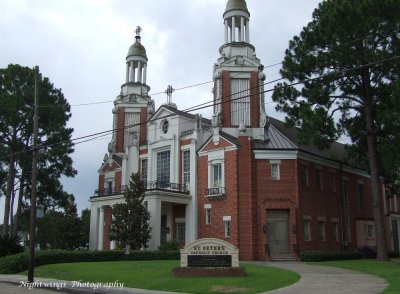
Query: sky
81	46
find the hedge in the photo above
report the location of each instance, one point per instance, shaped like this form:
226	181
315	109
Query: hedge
19	262
329	255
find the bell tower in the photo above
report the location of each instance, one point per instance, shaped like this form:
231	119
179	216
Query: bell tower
133	105
238	77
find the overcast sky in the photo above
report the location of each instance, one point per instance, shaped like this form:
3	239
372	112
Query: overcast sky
81	45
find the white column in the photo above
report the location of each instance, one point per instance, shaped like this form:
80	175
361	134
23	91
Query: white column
248	31
125	178
242	29
154	207
144	73
139	79
233	29
226	31
94	214
127	72
101	229
132	73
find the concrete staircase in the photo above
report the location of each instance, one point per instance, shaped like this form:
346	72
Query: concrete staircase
283	257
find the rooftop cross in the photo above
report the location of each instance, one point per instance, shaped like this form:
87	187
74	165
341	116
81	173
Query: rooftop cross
169	92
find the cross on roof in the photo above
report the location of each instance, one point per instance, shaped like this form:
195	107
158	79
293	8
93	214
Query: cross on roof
138	30
169	92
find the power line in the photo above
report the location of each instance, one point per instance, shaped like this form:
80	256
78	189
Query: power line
202	106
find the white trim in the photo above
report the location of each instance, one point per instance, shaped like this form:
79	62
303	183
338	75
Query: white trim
226	218
275	161
275	154
296	154
186	147
180	220
207	206
224	149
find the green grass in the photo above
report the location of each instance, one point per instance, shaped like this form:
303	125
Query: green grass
156	275
389	270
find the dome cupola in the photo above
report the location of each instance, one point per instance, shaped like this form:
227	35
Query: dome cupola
236	5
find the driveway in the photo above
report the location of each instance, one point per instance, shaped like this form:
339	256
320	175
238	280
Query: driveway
327	280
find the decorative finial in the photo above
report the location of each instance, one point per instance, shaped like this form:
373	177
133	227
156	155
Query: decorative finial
169	92
137	31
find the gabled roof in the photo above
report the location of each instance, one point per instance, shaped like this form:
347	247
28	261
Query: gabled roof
229	138
179	112
284	138
117	159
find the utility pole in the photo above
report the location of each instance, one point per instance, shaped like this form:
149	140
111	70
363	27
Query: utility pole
32	223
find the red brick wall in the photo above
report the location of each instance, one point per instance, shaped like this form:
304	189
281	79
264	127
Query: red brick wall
118	181
323	203
178	211
281	195
101	181
143	125
226	97
221	206
107	227
221	144
120	129
247	205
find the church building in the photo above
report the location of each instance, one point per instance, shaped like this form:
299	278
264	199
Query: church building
242	176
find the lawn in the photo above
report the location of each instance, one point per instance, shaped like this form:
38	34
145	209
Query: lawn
156	275
389	270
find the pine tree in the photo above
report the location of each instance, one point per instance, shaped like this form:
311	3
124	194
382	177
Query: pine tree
352	48
130	224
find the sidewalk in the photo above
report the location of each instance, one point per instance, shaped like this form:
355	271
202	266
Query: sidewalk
314	280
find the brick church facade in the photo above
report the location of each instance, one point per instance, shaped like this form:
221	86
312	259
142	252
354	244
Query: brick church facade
242	176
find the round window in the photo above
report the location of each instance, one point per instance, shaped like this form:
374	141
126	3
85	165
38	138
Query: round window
165	126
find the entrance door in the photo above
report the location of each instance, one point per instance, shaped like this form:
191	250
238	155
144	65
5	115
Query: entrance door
277	231
395	229
163	237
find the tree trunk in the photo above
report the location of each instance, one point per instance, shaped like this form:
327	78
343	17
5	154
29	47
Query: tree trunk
19	205
11	213
10	188
380	236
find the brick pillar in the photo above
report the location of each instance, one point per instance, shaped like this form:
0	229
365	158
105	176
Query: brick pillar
143	125
107	227
120	129
248	220
226	97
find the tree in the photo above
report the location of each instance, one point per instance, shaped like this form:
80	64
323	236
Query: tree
16	113
60	229
130	225
85	227
346	60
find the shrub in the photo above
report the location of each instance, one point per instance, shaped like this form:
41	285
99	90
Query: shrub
9	245
19	262
311	256
169	246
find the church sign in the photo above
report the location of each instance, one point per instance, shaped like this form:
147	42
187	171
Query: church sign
210	252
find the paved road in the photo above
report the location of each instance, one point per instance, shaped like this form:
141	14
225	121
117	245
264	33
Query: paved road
314	280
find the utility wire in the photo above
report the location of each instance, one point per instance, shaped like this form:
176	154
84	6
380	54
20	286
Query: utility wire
201	106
